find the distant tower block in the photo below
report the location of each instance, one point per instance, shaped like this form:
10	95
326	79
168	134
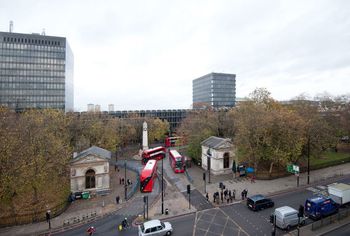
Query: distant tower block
111	108
97	108
144	136
90	107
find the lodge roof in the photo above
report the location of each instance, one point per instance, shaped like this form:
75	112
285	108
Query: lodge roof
217	143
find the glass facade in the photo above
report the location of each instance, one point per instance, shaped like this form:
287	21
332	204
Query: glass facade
215	89
36	71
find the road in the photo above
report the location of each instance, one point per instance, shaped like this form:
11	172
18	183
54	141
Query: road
107	226
234	219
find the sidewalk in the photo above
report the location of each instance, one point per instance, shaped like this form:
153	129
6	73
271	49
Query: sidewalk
262	186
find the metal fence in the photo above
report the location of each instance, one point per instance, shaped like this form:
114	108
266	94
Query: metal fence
342	214
33	216
136	185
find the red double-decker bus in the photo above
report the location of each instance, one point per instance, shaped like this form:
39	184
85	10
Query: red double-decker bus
147	176
156	153
177	161
172	141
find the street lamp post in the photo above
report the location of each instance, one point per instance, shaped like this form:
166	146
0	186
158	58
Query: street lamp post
308	160
163	186
125	186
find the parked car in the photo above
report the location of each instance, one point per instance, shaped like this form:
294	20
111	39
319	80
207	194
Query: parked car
320	206
155	227
258	202
286	217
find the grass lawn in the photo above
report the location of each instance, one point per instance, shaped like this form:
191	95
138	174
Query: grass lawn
329	158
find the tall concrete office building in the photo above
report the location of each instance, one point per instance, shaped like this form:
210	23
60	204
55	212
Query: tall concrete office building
214	89
36	71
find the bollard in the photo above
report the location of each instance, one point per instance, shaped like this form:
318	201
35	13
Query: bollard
166	211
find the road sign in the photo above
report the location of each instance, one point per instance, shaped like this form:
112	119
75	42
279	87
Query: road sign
293	169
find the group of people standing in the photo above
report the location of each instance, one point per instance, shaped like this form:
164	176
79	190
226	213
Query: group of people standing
226	195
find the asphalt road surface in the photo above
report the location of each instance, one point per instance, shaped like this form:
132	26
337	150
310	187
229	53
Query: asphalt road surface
182	225
234	219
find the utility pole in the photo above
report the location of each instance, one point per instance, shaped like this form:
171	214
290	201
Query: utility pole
125	186
163	186
308	160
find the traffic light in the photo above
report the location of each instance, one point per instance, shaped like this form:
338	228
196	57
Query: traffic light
301	211
188	189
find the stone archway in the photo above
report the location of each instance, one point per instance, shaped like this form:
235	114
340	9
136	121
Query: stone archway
90	179
226	160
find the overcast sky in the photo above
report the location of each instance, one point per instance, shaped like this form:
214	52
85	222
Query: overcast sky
145	54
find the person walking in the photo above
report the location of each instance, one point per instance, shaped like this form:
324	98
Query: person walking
214	197
222	197
234	194
120	180
246	192
117	198
242	194
252	179
207	197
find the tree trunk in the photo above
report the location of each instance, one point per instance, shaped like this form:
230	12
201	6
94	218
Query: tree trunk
270	171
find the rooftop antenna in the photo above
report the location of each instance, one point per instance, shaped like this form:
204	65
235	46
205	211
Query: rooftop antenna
43	32
11	26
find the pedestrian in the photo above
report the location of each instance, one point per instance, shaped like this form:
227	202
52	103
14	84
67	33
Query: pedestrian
128	182
246	192
214	197
242	194
117	199
253	179
225	193
222	197
228	199
234	194
207	196
120	180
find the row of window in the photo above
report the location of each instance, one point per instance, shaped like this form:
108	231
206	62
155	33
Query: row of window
24	66
30	53
9	72
32	60
28	98
32	41
9	79
31	86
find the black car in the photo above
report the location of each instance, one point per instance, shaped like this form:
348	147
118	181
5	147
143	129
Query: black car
258	202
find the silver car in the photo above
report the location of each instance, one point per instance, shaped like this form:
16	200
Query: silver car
155	227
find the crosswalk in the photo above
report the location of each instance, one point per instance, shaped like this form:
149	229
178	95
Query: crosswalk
318	190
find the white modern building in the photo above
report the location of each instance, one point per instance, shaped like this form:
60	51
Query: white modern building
218	154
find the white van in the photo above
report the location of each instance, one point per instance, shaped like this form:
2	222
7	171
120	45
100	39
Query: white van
287	217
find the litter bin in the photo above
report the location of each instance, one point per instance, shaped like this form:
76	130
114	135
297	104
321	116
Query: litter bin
86	195
166	211
78	195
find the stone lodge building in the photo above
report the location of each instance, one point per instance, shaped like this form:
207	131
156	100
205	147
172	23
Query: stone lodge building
90	170
218	154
